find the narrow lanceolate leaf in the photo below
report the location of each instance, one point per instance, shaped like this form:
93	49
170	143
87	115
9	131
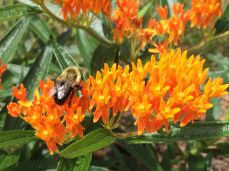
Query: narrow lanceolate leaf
63	57
142	12
16	137
196	131
9	42
141	154
86	45
222	24
8	161
80	163
17	10
93	141
38	71
39	27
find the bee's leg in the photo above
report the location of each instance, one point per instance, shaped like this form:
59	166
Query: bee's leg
78	87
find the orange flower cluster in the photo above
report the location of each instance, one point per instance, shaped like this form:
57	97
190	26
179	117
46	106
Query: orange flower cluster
126	19
128	23
203	12
171	93
75	7
2	70
53	123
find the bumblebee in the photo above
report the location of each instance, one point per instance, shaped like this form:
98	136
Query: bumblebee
68	83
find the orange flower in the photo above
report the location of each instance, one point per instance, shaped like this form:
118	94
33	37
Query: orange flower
163	12
118	96
2	70
203	12
143	109
120	29
197	108
160	48
46	133
215	88
20	93
166	112
74	7
14	109
177	8
101	99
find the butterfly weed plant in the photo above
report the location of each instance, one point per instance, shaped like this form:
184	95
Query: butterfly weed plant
137	84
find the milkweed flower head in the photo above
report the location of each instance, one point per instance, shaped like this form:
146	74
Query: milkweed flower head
204	12
53	123
172	92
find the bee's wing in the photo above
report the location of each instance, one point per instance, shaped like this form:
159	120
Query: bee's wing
55	88
63	90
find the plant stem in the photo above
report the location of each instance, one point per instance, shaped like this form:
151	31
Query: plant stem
124	135
204	42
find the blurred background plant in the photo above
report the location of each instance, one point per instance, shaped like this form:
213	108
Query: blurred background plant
41	38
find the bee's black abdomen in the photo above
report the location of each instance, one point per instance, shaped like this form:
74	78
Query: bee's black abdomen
62	101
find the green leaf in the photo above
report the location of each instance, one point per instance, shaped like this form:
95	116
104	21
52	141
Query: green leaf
165	158
17	10
6	92
213	113
86	45
80	163
8	161
106	161
16	137
37	165
30	3
9	42
38	71
96	168
208	160
196	162
142	12
131	163
97	28
62	39
141	154
39	27
55	9
95	140
102	54
222	24
63	57
196	131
